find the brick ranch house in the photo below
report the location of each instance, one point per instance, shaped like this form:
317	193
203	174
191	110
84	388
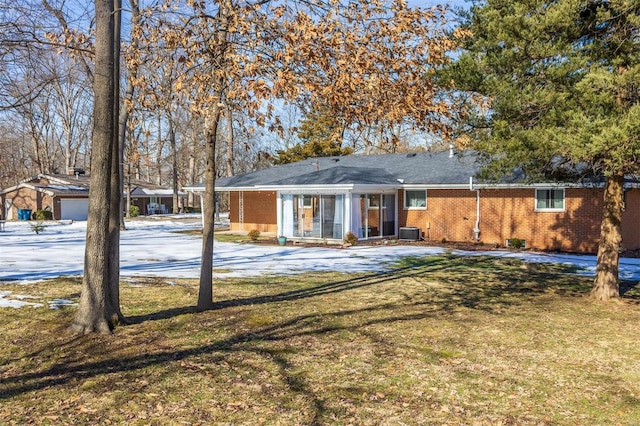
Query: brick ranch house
427	195
67	197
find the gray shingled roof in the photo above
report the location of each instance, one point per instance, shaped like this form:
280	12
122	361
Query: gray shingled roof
423	168
78	186
438	169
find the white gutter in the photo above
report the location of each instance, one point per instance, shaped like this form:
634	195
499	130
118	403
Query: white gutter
531	185
330	189
322	188
368	187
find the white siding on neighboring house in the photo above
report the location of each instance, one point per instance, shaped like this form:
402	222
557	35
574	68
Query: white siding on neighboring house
8	208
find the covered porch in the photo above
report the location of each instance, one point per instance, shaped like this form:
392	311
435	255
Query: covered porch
330	215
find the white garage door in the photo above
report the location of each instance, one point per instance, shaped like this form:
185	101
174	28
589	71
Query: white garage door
74	208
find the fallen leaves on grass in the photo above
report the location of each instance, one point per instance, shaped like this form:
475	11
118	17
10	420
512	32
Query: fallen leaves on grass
440	340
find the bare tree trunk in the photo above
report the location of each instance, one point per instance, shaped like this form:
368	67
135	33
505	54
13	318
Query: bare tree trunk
174	167
605	284
122	136
115	211
67	148
147	158
229	168
192	178
127	191
35	147
94	311
205	293
159	152
124	118
48	152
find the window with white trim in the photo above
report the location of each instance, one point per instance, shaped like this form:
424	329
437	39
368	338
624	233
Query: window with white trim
415	199
550	200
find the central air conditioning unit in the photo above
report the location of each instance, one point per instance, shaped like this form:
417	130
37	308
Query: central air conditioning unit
409	233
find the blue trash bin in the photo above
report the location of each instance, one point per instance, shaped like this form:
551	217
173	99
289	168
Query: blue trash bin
24	214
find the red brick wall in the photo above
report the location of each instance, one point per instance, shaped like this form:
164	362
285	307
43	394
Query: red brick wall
504	214
25	198
450	214
259	211
509	213
631	220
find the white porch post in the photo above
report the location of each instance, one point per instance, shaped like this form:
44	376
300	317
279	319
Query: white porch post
396	218
280	230
347	213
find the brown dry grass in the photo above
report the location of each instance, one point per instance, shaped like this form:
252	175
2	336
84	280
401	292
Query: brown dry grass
442	340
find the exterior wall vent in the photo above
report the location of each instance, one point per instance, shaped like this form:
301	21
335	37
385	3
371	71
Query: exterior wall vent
409	233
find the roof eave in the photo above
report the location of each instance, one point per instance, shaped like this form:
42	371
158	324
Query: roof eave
311	188
29	186
435	186
533	185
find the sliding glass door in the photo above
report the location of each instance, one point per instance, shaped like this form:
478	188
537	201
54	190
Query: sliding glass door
388	215
321	216
313	216
373	215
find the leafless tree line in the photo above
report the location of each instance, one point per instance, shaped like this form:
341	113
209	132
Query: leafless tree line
46	105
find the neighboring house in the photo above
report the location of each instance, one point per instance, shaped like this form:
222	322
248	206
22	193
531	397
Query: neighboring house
67	197
153	199
432	196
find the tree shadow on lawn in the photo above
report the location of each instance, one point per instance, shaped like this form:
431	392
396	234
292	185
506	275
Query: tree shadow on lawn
314	291
463	283
520	279
629	287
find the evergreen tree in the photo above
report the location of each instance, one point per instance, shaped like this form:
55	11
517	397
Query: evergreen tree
559	81
320	134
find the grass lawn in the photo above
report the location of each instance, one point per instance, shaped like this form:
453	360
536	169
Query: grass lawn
441	340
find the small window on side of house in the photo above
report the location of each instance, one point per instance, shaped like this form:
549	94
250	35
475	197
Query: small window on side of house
549	200
415	199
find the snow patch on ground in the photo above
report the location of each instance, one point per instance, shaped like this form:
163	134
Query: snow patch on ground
156	248
16	301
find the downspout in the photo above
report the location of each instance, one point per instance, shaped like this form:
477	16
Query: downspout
240	211
476	229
